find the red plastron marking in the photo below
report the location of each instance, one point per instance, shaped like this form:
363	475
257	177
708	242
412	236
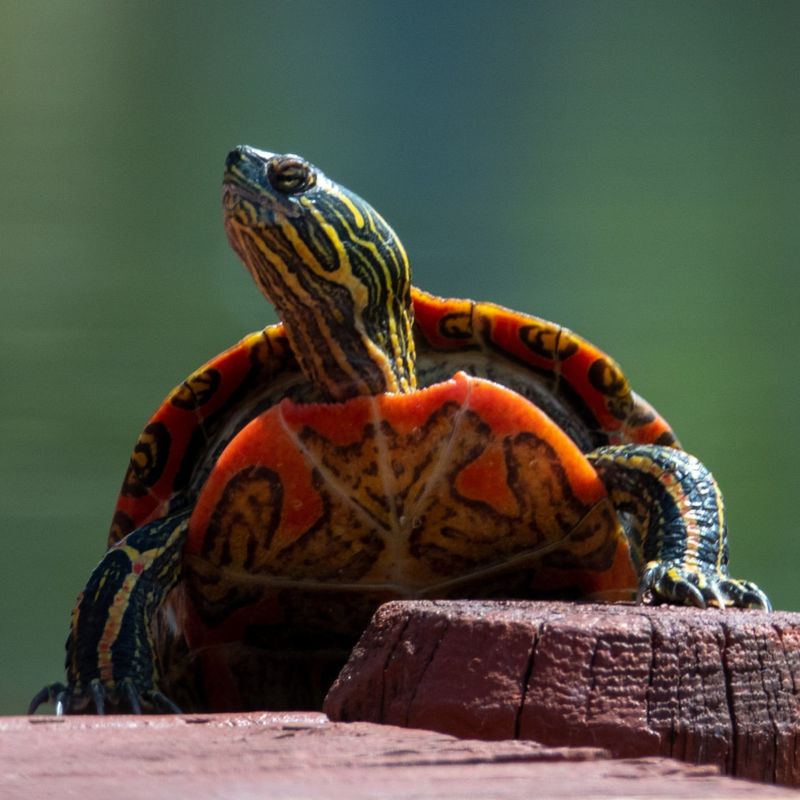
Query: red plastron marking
507	413
264	442
486	480
272	441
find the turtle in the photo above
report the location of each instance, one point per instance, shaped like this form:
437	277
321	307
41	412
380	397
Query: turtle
378	443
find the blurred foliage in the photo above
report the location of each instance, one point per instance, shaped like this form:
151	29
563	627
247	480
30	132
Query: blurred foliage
629	169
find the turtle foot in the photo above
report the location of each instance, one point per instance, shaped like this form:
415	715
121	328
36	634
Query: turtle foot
680	585
126	698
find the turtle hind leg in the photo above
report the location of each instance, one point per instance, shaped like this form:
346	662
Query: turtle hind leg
111	661
678	526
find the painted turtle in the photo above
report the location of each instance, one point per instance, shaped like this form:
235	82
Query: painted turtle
378	443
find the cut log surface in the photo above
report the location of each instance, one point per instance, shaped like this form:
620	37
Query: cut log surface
257	756
706	686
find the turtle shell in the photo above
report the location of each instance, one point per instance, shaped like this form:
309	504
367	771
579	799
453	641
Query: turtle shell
578	386
307	514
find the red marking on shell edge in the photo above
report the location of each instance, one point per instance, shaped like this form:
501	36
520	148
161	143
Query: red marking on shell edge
233	365
430	310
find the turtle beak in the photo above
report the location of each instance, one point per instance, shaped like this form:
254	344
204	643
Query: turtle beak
243	156
235	156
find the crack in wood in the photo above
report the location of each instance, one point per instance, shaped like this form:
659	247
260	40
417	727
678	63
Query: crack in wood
526	679
727	672
387	661
445	625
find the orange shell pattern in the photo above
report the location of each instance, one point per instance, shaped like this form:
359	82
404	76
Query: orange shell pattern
410	494
406	494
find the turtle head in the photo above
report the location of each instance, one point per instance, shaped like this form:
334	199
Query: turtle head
332	267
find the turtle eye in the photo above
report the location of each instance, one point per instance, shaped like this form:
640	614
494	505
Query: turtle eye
290	174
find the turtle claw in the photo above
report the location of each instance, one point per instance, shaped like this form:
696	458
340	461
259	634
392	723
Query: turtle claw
161	700
667	583
64	699
155	700
132	696
52	693
675	584
745	594
98	696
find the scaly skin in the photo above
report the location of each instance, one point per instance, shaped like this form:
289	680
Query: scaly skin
111	660
678	515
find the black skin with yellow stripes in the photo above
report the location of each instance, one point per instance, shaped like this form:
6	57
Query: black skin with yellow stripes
340	281
677	513
131	653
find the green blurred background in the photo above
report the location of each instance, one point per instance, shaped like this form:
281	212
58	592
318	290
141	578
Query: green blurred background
629	169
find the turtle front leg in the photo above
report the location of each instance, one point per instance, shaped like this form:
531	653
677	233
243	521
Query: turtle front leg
678	526
111	660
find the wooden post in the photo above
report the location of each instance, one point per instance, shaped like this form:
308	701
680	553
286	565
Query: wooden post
705	686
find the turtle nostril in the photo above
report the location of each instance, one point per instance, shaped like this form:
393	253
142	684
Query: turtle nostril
234	157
